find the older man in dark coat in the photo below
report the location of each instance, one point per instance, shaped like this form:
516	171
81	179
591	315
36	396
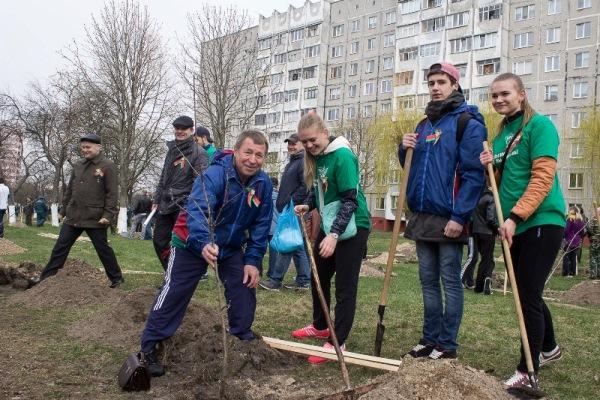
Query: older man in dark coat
89	204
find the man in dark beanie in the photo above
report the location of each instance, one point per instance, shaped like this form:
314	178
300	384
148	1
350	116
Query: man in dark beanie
89	204
184	161
203	139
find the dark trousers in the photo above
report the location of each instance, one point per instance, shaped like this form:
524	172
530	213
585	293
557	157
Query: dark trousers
484	245
2	212
183	274
533	253
66	238
570	262
28	219
345	264
163	227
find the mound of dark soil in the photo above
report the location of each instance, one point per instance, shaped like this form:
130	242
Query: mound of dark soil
19	277
76	285
584	294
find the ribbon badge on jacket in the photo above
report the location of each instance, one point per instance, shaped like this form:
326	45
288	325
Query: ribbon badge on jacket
251	198
434	137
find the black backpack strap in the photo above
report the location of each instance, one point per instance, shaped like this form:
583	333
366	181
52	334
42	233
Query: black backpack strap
461	125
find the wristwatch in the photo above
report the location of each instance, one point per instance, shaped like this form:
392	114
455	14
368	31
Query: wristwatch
334	235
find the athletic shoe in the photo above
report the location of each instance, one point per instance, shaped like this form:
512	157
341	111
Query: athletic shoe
155	368
519	380
487	286
296	286
115	284
439	352
316	360
310	332
421	350
270	285
468	285
550	356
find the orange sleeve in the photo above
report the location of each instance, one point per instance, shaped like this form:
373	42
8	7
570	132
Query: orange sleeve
540	183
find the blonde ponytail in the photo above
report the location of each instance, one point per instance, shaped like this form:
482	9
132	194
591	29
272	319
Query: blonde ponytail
310	120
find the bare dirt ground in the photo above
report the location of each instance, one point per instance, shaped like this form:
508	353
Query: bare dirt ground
67	337
9	248
584	294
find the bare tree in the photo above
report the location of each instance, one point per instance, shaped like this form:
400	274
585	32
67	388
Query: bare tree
227	79
123	63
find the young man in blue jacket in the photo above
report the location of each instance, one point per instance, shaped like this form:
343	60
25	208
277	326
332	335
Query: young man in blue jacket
226	223
444	184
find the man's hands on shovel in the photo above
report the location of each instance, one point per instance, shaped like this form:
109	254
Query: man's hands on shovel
327	245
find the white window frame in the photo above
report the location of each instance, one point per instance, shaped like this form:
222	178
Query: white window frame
296	35
458	19
553	35
583	30
369	88
352	90
388	63
351	112
354	46
553	7
584	58
581	90
386	107
369	66
368	111
336	51
578	181
333	114
311	93
389	40
407	30
335	93
312	51
481	64
551	93
338	30
487	13
386	86
353	69
336	72
552	63
523	40
577	150
430	49
523	13
355	26
522	67
576	118
581	4
372	43
390	17
372	22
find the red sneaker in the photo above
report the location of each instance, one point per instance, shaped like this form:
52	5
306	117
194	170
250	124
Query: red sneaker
316	360
310	332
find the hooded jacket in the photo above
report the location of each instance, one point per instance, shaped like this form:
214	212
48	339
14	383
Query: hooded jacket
183	162
292	184
446	177
241	211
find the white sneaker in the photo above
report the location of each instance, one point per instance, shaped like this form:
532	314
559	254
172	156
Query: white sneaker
518	380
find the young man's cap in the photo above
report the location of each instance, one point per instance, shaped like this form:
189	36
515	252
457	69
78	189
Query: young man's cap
203	132
447	69
183	121
293	138
91	137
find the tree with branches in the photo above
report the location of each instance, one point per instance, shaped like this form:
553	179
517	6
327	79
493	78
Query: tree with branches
588	136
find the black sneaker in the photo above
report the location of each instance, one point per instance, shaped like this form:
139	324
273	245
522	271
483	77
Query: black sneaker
155	368
421	350
115	284
296	286
468	285
270	285
438	353
487	286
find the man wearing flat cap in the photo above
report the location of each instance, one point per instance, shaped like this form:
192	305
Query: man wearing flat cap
89	204
184	161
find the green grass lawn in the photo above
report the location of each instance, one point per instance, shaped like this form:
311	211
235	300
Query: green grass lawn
489	334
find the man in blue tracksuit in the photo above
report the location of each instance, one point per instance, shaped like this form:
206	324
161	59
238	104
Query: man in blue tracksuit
444	184
235	194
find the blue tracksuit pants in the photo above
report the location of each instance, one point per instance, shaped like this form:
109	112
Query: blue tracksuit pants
184	271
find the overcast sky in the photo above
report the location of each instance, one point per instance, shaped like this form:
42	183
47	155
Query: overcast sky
33	31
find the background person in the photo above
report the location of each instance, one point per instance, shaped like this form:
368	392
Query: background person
41	211
525	155
573	238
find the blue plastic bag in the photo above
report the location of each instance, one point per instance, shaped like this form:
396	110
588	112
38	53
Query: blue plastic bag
288	235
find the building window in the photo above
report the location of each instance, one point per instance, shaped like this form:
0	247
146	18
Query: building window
371	43
462	68
584	4
260	119
295	74
296	35
460	45
407	30
580	90
434	24
290	95
335	93
264	44
370	66
404	78
386	86
274	118
429	50
351	112
355	25
582	59
458	19
523	40
368	111
309	72
524	67
388	63
576	181
280	58
277	97
390	17
490	12
380	203
525	12
551	93
278	40
336	51
354	47
369	88
433	3
576	118
293	55
410	6
276	78
335	72
409	53
576	150
553	35
484	41
312	31
353	69
372	22
583	30
388	40
406	102
291	116
333	114
310	93
352	90
386	107
553	7
488	67
312	51
552	63
338	30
